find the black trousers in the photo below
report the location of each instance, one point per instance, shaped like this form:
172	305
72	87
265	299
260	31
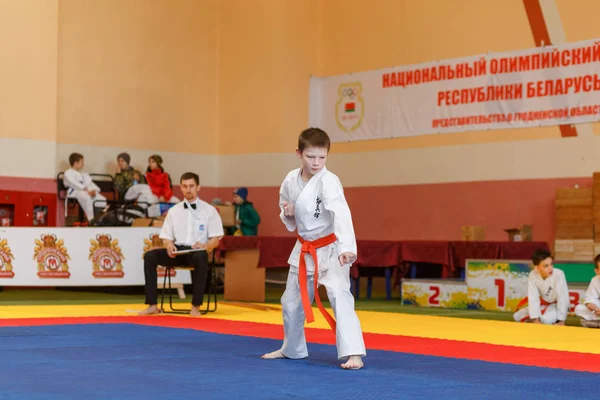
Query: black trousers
156	257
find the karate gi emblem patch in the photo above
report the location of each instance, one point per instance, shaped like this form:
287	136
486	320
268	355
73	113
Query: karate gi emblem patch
318	208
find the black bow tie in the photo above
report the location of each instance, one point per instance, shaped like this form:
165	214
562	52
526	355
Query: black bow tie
185	205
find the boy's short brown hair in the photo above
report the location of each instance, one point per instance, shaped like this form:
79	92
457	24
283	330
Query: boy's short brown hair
190	175
539	255
313	137
597	261
75	157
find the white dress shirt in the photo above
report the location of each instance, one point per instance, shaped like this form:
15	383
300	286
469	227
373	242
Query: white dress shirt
186	226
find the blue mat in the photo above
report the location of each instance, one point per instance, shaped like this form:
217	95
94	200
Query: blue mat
125	361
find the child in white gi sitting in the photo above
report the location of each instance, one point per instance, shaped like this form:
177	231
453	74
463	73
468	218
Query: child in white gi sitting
140	192
547	293
590	310
81	187
312	201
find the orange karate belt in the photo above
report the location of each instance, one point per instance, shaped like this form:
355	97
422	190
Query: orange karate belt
311	248
544	306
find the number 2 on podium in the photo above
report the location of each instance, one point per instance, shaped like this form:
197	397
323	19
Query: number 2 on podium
433	299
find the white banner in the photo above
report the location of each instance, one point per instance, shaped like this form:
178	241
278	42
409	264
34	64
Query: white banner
542	86
78	256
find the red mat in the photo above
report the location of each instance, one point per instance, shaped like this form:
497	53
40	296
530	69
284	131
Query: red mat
374	341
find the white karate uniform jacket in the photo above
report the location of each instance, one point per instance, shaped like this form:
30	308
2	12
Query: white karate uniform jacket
78	183
76	180
553	290
315	207
592	296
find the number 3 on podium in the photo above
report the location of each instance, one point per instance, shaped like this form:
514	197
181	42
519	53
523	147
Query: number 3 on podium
574	300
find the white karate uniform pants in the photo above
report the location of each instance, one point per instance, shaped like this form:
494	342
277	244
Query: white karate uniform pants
86	202
549	317
582	311
336	279
147	199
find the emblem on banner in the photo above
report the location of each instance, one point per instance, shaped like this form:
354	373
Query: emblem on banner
155	242
350	106
106	256
52	257
6	257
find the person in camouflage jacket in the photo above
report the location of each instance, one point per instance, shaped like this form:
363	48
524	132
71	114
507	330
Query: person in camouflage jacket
124	178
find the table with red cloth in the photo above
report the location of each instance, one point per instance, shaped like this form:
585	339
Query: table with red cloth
274	251
461	251
520	250
428	251
452	255
232	243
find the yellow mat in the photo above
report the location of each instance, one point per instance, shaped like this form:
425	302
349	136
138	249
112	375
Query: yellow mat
483	331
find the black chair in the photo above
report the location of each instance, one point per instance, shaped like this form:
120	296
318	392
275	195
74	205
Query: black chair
70	203
106	183
212	289
116	213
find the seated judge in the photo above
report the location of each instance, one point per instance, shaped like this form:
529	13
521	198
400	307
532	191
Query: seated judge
190	224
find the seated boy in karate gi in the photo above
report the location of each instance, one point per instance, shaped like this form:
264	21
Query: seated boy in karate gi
81	187
590	310
547	293
140	192
311	200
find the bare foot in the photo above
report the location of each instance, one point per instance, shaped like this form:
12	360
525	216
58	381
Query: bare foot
354	362
273	355
195	312
151	310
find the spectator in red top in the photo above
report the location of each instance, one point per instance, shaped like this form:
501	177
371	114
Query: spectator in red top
159	180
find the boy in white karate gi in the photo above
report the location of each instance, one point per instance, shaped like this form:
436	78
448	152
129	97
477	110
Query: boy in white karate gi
140	192
81	187
590	310
547	293
312	201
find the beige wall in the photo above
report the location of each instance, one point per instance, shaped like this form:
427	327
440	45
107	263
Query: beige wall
138	74
579	18
103	159
267	50
101	77
28	69
354	35
225	82
361	36
28	87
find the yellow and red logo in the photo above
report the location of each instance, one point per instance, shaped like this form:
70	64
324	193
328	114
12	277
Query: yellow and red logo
52	257
6	257
155	242
107	257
